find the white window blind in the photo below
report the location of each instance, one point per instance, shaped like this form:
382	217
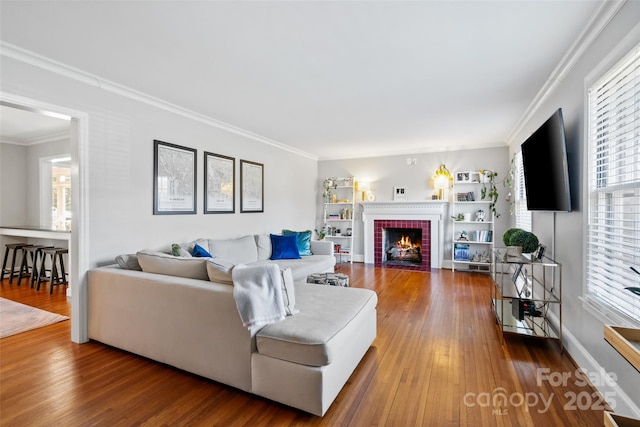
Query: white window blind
613	228
523	216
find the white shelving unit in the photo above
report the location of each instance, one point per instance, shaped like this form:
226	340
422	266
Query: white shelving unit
338	217
473	234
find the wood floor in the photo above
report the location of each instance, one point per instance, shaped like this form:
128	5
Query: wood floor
438	360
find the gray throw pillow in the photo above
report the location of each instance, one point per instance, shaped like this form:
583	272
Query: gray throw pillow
128	262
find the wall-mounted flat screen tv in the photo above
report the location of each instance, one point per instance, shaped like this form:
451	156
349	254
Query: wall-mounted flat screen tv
546	174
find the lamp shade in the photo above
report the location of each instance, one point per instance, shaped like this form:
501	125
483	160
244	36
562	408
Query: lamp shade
441	178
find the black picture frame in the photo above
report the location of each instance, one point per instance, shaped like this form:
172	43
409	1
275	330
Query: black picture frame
219	183
251	186
174	179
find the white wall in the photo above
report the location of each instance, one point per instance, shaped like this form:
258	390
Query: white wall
13	184
120	169
117	175
584	339
386	172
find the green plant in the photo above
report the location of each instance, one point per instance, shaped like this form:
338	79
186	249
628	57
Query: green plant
491	192
328	184
526	239
458	217
506	237
321	234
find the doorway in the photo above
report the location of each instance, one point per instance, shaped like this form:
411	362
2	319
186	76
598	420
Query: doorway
78	154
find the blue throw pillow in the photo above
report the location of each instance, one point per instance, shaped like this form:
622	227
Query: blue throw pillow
199	251
284	247
303	240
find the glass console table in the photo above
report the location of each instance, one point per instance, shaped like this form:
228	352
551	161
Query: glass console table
527	295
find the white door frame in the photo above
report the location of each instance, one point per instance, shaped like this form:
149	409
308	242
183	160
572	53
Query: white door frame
79	241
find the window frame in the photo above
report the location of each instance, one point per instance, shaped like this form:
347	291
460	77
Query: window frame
604	309
520	196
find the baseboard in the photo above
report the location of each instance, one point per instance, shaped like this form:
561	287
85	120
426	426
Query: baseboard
583	359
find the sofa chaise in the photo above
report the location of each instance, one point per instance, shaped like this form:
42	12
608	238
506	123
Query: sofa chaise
193	324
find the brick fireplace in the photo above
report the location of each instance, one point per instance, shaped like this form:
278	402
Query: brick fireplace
428	216
418	235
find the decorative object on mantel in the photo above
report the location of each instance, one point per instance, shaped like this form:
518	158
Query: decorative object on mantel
363	188
441	180
399	193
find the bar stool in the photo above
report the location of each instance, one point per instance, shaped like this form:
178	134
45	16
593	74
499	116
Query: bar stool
33	253
58	276
14	248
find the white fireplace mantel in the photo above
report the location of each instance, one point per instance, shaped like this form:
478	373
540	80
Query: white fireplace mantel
427	210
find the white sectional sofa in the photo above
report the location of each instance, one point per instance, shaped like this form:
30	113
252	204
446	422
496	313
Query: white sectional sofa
193	324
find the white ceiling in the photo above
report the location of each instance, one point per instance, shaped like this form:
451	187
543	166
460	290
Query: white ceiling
24	127
333	79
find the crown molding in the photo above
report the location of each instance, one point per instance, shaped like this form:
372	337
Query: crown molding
598	22
53	137
31	58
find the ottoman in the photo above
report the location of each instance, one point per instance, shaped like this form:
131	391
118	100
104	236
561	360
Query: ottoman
332	279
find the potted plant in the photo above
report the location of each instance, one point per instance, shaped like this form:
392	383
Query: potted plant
519	241
321	234
490	191
328	185
490	188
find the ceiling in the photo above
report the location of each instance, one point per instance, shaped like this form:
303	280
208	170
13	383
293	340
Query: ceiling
24	127
332	79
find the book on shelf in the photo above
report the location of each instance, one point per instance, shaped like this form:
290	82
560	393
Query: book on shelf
484	236
461	252
466	197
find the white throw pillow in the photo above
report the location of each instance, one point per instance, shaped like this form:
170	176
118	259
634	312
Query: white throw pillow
242	250
220	270
288	292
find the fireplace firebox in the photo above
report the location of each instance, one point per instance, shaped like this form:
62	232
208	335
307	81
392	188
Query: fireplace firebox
402	244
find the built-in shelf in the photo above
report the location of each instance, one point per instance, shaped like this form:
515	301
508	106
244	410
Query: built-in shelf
338	216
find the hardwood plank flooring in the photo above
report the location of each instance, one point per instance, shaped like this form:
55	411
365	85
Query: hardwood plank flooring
438	360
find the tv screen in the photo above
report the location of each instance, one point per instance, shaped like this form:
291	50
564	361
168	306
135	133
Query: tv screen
546	175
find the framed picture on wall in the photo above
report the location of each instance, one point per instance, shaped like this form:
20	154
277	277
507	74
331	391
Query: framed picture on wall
219	183
251	186
174	179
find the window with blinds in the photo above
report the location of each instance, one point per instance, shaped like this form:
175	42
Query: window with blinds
613	227
522	215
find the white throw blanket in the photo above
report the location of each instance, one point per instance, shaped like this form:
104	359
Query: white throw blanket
258	294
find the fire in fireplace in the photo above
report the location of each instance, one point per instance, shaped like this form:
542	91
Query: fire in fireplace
403	246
